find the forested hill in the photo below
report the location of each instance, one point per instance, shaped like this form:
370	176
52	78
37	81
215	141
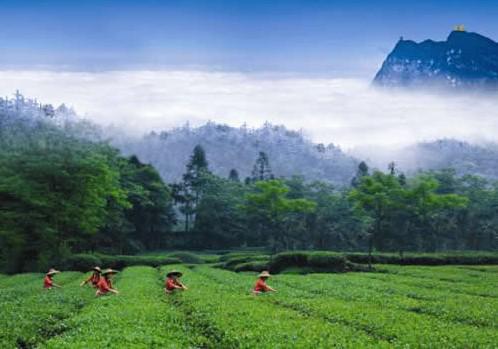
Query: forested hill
20	113
289	152
63	192
465	158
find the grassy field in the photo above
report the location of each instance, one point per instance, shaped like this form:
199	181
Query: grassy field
397	307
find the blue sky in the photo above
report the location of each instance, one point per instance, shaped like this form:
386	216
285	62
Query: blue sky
312	37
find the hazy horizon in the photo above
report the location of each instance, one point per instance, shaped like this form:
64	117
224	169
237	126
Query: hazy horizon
348	112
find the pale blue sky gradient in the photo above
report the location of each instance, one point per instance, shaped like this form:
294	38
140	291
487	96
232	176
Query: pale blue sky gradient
312	37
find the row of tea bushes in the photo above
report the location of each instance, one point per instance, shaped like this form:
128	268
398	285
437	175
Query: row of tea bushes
84	262
139	317
327	262
388	315
30	314
231	316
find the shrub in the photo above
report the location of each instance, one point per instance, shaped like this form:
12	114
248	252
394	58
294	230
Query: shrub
187	257
122	261
230	263
29	315
298	271
285	260
210	258
251	266
241	254
218	265
358	267
324	261
234	261
327	261
462	258
137	318
307	262
85	262
81	262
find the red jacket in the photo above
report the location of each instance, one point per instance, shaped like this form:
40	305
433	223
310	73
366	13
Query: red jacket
47	282
103	285
94	279
171	283
261	286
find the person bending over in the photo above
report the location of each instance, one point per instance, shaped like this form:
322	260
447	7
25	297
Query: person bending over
104	285
173	283
94	278
48	282
261	286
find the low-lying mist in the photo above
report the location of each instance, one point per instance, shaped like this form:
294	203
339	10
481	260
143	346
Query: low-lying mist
346	112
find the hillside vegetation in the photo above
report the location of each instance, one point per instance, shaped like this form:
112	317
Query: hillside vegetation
65	191
237	148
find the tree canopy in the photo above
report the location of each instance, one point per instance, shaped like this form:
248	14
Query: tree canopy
63	191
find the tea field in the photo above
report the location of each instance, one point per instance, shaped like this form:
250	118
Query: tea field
399	307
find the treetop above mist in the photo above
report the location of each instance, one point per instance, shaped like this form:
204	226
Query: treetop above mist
238	148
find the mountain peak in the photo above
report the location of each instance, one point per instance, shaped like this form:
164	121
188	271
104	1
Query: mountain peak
469	38
458	34
465	59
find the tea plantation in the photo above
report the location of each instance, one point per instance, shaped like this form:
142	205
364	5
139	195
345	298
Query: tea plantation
395	307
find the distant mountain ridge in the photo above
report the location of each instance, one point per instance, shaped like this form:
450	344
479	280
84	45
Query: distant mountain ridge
465	158
289	152
292	154
464	60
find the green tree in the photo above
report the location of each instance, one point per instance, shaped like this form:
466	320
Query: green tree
55	196
400	211
188	193
220	223
431	208
262	170
234	175
335	224
276	214
361	172
146	223
477	224
377	195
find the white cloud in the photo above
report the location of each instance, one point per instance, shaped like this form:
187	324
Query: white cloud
343	111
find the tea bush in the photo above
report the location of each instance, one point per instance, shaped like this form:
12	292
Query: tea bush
186	257
251	266
309	261
30	314
136	318
231	317
383	312
448	258
81	262
402	307
123	261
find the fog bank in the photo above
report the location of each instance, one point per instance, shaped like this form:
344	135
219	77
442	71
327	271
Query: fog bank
347	112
